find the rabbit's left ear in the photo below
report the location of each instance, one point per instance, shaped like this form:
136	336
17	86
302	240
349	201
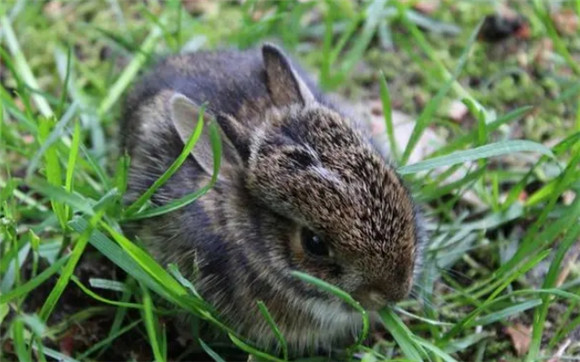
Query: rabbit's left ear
285	85
185	115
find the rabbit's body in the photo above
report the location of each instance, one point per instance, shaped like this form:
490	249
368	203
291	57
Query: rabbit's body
291	163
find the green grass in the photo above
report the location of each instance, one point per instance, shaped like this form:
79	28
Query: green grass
498	193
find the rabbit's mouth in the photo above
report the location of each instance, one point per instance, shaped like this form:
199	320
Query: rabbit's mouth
372	301
376	299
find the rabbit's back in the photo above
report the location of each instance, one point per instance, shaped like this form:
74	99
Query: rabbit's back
228	81
224	79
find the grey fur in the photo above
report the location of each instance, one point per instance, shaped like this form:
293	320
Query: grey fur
291	160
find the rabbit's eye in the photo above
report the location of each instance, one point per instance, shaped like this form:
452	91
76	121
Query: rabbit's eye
313	244
301	158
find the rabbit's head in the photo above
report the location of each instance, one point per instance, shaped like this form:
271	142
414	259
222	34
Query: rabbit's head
347	216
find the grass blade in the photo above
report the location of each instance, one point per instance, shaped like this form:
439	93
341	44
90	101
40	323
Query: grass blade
387	113
108	340
187	199
64	88
505	313
216	357
174	270
253	351
48	141
188	147
508	280
172	206
434	349
72	160
541	313
33	283
95	296
61	357
52	169
559	44
342	295
151	325
482	152
472	136
72	199
130	72
402	335
118	256
62	282
108	284
146	262
427	114
533	240
23	67
18	340
274	328
373	16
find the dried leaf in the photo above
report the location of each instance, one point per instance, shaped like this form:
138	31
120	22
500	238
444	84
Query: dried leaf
53	9
543	51
560	352
427	7
568	197
457	111
566	21
197	7
569	263
67	344
521	337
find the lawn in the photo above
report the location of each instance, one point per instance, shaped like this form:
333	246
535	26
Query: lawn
479	102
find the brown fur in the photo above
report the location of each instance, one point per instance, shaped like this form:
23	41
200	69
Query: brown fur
291	160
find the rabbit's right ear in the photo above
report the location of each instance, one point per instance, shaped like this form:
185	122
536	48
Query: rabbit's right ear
285	85
185	115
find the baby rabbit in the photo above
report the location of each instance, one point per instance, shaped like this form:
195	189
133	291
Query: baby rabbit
301	187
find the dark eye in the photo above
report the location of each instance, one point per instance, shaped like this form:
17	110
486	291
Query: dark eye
301	158
313	244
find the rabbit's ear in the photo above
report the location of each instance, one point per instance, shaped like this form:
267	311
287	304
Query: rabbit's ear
185	115
285	85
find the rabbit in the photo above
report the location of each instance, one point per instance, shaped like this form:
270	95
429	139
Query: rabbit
301	187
